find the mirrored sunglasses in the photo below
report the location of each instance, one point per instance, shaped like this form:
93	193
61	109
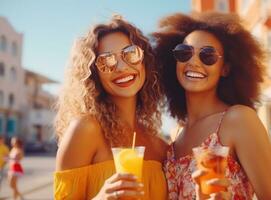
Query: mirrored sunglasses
107	62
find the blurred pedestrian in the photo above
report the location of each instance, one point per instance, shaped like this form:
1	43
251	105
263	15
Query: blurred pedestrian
15	169
4	151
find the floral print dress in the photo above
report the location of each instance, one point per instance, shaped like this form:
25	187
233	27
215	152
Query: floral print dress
178	174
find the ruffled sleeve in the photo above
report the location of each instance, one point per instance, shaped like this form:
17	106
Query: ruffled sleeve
82	183
85	182
71	184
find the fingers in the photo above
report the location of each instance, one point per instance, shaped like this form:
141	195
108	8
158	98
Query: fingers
121	176
199	194
129	185
125	193
198	174
223	182
220	196
122	185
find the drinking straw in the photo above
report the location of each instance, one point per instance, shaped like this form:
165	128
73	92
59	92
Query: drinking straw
134	138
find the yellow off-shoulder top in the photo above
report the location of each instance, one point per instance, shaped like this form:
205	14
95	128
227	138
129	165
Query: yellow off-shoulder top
84	183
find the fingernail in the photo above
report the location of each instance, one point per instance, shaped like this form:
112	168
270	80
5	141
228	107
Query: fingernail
212	182
209	182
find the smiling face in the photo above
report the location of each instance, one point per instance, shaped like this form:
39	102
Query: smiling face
126	80
194	75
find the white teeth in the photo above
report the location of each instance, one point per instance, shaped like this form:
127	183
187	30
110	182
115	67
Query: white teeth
125	79
194	74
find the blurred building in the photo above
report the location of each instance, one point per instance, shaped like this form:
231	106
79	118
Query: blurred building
11	79
24	105
257	18
38	110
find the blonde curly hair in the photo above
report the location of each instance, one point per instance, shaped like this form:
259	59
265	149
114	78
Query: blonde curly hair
83	94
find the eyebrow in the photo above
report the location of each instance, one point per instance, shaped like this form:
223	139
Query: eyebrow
116	51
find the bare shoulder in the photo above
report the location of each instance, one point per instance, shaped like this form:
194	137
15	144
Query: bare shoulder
242	122
240	115
241	110
79	143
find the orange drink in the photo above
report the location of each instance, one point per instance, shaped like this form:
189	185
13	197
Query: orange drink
129	160
214	161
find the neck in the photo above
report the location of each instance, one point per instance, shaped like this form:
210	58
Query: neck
126	109
200	105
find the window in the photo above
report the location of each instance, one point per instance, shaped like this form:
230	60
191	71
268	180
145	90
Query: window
11	127
14	49
1	98
222	5
13	75
3	43
2	69
11	100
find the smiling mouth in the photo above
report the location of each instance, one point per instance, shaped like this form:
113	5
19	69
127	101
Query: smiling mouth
194	75
125	80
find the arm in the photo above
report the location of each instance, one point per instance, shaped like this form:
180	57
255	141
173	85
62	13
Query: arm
252	147
76	150
6	155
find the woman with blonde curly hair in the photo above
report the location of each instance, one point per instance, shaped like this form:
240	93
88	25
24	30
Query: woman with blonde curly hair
211	69
111	90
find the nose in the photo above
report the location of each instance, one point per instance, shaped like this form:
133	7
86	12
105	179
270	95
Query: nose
195	60
121	65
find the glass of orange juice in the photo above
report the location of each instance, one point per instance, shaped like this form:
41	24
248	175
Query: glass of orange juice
214	161
129	160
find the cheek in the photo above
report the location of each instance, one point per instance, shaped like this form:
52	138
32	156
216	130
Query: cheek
216	71
179	71
104	79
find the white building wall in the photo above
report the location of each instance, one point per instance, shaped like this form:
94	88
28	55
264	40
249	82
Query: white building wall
9	83
21	113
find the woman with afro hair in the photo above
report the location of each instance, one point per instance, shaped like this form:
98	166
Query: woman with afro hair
211	70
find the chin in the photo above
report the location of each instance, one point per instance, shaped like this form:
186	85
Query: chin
198	89
126	95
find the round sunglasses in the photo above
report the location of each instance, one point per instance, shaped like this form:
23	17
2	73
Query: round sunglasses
107	62
208	55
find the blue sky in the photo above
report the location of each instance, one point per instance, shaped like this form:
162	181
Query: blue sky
50	27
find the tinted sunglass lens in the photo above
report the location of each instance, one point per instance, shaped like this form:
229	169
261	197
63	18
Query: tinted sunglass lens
183	53
132	55
208	55
106	63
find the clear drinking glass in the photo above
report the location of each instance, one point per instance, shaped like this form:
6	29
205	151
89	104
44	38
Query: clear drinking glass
129	160
214	161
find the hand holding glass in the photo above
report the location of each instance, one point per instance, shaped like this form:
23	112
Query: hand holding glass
214	161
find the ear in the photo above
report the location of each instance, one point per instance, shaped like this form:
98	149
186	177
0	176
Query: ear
225	70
